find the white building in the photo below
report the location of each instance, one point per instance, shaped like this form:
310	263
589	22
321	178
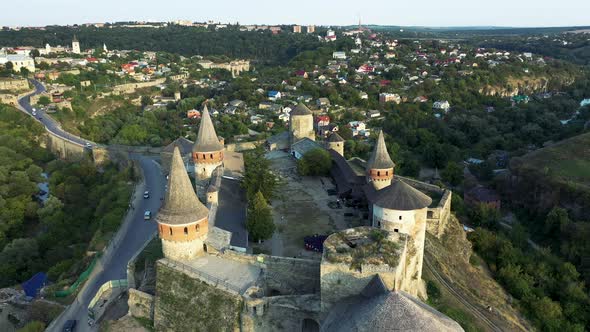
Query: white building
18	61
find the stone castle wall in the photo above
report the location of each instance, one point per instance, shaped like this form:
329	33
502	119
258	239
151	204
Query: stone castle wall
339	281
185	303
280	313
141	304
14	85
437	219
182	250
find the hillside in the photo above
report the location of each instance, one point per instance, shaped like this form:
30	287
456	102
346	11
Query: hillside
463	287
558	175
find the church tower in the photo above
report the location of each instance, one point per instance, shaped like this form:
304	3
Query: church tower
301	123
207	151
336	143
47	48
182	219
75	45
380	166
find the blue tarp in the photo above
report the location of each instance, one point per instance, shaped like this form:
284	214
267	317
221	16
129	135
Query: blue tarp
32	286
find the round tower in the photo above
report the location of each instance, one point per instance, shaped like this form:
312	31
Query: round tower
301	123
400	208
336	143
208	150
380	166
182	219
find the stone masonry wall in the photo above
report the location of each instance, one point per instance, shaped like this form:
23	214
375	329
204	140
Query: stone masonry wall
141	304
280	313
187	304
438	217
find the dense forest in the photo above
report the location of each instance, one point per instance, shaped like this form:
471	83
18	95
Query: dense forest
85	205
262	46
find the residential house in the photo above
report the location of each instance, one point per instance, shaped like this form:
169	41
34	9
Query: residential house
385	97
274	95
442	105
321	120
482	195
323	102
371	114
193	114
339	55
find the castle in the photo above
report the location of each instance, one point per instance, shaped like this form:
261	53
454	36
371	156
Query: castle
369	278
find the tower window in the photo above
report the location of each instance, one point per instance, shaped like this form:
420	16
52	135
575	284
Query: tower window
378	173
185	231
400	217
396	230
211	156
197	228
170	230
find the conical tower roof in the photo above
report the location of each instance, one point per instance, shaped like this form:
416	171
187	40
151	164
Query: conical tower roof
334	137
181	205
75	39
301	109
380	158
207	140
402	197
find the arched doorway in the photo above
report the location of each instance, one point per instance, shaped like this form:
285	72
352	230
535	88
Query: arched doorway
309	325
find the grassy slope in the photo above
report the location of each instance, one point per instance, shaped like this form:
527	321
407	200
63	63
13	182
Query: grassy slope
566	161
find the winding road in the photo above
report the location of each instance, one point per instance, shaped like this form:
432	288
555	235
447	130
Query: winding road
134	231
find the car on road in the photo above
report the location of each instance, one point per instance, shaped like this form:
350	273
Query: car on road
70	325
146	194
88	145
147	215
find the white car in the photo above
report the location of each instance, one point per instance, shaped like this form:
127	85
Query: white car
147	215
88	145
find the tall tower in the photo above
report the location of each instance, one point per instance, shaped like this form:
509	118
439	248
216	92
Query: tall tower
182	219
104	48
207	151
47	48
380	166
400	208
336	143
75	45
301	123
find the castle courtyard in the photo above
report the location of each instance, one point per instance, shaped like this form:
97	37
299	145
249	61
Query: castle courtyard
302	208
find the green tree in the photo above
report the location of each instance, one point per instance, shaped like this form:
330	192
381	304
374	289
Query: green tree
453	173
316	162
9	66
556	220
258	176
259	222
24	72
44	100
146	100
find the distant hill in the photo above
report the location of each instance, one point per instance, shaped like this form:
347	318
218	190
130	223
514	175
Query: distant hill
558	175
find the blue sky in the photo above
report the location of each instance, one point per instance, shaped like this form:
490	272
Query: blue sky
320	12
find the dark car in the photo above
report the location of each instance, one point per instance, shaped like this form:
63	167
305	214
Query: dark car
315	242
70	325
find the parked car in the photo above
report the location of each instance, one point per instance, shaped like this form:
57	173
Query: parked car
146	194
147	215
88	145
70	325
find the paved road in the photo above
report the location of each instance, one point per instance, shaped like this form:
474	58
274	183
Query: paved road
49	123
133	237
